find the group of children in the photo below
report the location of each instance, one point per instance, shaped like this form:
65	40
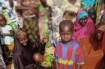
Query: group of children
67	52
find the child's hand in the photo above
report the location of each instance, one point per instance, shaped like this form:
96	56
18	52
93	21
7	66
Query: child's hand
3	35
45	39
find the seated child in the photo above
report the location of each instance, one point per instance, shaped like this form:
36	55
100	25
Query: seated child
46	59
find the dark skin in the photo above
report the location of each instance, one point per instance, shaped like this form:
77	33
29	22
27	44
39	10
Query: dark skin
99	35
66	33
26	6
49	11
3	23
11	3
38	57
83	21
23	39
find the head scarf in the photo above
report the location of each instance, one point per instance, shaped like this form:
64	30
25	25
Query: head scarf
82	31
82	15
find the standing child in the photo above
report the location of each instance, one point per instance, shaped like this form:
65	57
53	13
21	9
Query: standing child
6	34
68	53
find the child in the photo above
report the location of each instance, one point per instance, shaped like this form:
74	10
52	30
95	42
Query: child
46	60
6	34
68	52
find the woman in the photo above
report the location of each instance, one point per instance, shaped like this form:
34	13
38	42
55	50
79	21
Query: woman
93	48
83	26
29	12
24	50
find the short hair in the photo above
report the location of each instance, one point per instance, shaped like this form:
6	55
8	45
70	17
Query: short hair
1	15
66	23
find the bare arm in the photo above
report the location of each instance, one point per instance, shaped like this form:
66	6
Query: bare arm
20	6
5	34
11	3
11	33
32	5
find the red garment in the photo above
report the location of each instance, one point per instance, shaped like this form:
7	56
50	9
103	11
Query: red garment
72	53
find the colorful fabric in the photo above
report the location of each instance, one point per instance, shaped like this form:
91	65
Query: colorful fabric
82	31
43	22
82	15
32	28
93	52
57	14
49	58
98	10
11	46
89	6
68	55
26	13
9	13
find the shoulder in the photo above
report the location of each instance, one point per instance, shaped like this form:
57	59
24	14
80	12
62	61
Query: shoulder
76	44
59	42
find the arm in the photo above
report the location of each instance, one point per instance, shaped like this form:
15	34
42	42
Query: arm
11	3
5	34
32	5
22	7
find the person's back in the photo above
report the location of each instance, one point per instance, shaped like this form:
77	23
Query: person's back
68	52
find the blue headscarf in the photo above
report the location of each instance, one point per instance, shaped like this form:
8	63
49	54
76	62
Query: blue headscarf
82	14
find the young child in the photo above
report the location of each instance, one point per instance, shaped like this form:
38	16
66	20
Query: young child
6	34
46	60
68	53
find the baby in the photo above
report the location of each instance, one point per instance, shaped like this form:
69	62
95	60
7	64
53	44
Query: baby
46	59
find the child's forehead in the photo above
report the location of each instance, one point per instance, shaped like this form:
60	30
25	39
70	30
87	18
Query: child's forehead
66	27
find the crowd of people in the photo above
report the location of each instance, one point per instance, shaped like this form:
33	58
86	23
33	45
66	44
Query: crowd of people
52	34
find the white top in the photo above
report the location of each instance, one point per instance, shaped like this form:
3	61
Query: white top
7	39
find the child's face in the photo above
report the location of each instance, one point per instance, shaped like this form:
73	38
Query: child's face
2	21
38	57
83	21
66	34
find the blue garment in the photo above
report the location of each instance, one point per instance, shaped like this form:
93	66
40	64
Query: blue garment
89	6
82	14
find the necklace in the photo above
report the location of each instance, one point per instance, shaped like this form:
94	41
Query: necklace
58	2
